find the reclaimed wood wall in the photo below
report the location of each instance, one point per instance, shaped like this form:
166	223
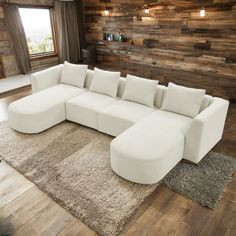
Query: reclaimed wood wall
8	63
172	43
2	73
9	66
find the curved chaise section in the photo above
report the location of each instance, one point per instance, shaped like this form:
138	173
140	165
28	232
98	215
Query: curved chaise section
42	110
148	150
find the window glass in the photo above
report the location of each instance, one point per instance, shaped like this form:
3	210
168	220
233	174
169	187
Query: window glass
38	30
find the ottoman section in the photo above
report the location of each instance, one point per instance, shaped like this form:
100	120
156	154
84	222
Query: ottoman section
42	110
84	108
118	117
148	150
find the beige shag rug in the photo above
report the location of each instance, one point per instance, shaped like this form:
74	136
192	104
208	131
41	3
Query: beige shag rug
71	164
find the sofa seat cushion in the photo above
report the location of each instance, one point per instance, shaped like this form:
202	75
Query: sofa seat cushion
118	117
171	121
148	150
84	109
41	110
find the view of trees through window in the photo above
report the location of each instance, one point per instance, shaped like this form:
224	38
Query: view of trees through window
38	30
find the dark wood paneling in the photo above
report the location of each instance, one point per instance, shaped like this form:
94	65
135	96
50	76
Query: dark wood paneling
172	43
2	72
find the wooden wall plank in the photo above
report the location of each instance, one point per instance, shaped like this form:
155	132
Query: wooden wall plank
172	43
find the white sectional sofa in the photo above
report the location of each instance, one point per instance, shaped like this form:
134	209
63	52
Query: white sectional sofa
155	126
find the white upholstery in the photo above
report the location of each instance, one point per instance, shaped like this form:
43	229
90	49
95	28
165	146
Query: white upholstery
73	74
149	142
183	100
121	87
84	108
163	135
88	79
46	78
49	77
206	130
118	117
171	121
140	90
42	110
105	82
159	96
207	100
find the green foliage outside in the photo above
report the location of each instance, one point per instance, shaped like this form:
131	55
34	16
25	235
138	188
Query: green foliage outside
46	45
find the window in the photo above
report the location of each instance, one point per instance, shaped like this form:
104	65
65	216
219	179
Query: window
38	30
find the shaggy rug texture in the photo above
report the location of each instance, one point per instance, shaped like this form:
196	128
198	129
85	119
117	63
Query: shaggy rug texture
71	164
205	182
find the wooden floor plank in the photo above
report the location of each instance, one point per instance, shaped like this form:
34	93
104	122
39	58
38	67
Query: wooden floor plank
197	216
5	170
167	224
12	185
231	231
230	190
22	209
221	219
50	221
77	228
186	230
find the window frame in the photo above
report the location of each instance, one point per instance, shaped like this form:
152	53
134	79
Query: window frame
45	55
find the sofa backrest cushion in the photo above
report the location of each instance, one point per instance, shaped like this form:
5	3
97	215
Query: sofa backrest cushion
160	91
89	79
160	94
121	87
140	90
183	100
73	74
207	100
105	82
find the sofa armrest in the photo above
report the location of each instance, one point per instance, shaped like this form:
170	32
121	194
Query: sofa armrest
206	130
46	78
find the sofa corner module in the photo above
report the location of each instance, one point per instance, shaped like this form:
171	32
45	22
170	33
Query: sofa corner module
46	78
206	130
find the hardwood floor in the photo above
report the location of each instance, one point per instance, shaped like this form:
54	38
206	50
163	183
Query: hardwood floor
27	211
